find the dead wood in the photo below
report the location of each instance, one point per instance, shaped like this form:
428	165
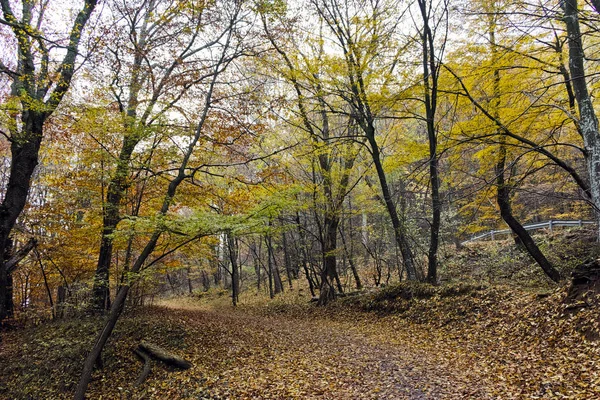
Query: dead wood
147	366
163	355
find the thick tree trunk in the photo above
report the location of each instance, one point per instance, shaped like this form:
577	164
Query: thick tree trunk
329	271
38	102
24	154
588	121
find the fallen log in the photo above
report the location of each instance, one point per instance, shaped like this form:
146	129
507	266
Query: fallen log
147	351
147	366
163	355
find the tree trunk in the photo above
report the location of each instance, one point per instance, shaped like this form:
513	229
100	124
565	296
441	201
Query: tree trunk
287	258
304	256
235	272
399	231
329	272
24	160
430	85
588	120
507	215
270	266
119	181
277	279
38	102
350	256
189	280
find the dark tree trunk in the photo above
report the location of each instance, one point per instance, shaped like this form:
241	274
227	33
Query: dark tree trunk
189	280
270	266
235	272
45	91
430	85
48	291
287	258
329	275
399	230
257	264
24	160
518	229
503	187
350	256
304	256
119	181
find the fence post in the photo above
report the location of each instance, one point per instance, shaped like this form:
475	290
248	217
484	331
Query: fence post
579	223
550	225
492	233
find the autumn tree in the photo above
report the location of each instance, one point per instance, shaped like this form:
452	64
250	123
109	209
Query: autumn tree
229	47
39	84
157	57
366	35
330	138
434	25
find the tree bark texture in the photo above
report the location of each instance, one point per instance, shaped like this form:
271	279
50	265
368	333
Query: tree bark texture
588	121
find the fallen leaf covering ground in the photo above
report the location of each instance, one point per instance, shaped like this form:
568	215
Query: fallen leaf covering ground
404	342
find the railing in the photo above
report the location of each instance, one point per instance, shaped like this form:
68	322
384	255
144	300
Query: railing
530	227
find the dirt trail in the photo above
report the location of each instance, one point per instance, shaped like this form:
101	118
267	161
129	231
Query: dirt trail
281	357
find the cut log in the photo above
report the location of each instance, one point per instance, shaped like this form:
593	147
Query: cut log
163	355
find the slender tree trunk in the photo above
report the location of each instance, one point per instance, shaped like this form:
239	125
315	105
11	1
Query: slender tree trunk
257	263
119	181
507	215
304	256
270	265
48	291
430	85
235	272
399	230
287	258
350	257
503	187
189	280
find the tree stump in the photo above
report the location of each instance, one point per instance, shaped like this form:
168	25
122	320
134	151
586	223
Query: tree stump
585	278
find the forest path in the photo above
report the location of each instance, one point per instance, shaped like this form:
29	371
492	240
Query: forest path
283	356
